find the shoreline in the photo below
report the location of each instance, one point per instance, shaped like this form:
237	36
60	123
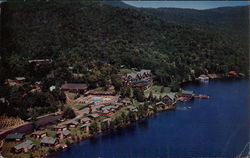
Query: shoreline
169	108
150	112
173	107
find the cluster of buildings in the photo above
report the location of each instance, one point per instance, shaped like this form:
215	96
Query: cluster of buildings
138	79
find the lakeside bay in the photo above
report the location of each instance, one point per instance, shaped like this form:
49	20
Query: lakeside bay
216	127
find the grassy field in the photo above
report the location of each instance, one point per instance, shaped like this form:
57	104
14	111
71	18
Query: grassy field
124	71
156	90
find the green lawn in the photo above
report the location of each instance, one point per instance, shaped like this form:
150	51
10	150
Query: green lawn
156	90
124	71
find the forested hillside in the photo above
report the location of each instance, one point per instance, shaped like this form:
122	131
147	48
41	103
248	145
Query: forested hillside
230	20
88	42
80	33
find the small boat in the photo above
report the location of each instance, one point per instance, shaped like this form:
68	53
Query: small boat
203	96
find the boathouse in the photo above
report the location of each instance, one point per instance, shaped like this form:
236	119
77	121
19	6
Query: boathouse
187	94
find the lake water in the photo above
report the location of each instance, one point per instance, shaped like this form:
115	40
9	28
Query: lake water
214	127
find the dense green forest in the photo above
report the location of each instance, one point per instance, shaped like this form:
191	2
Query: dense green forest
231	20
96	39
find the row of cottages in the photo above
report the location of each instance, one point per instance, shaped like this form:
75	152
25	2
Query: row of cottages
28	145
61	132
75	87
139	79
167	98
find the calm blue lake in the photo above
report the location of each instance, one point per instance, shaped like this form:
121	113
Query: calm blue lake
214	127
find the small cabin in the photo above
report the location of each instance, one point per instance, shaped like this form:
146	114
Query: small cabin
20	79
94	116
106	112
126	102
132	108
60	128
26	147
72	124
160	104
169	98
203	77
85	120
39	134
49	141
17	137
63	134
85	127
108	120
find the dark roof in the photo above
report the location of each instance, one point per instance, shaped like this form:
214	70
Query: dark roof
48	140
28	144
74	86
139	81
59	126
15	136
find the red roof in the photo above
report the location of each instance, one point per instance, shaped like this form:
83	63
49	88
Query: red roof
74	86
